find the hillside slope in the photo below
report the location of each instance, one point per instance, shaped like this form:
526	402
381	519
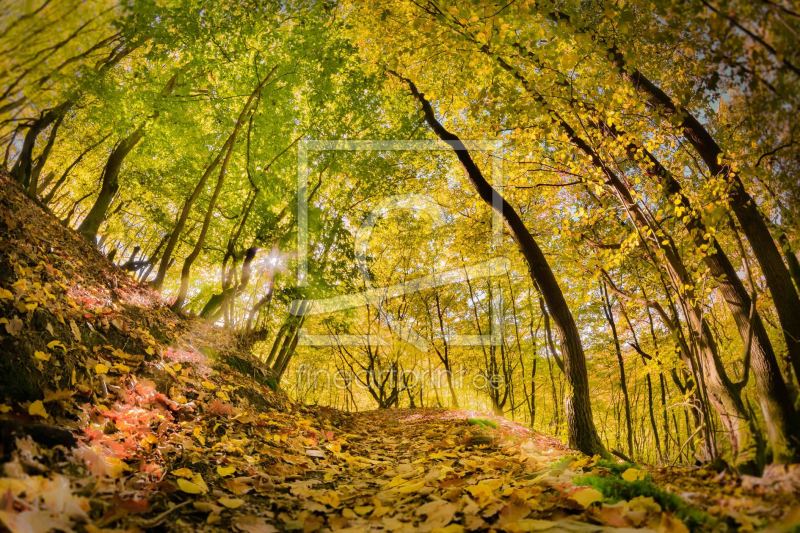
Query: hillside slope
117	414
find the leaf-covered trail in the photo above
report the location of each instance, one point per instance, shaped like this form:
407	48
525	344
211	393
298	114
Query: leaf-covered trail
427	469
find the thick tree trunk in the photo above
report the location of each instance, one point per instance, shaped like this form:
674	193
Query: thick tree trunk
33	185
110	184
23	167
582	432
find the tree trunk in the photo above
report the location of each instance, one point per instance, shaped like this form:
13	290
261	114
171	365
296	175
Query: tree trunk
23	167
110	184
608	311
33	185
582	432
63	178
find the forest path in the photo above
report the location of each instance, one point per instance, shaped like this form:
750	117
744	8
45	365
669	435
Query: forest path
443	471
456	470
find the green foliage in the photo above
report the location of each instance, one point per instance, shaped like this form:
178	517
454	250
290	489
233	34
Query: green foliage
614	489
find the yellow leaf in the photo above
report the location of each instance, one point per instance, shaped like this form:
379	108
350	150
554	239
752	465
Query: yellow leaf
633	474
362	510
411	486
149	350
122	368
672	524
6	294
114	466
208	385
183	472
484	491
195	486
4	408
225	470
59	344
587	496
37	409
231	503
41	356
100	369
198	434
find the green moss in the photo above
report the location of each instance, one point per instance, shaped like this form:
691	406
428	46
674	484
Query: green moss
482	422
615	489
615	467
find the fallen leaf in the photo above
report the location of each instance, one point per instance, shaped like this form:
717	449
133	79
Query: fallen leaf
76	332
231	503
633	474
57	344
37	409
225	470
587	496
362	510
671	524
193	486
14	326
41	356
438	513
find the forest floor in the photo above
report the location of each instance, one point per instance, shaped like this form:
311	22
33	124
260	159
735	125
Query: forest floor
116	414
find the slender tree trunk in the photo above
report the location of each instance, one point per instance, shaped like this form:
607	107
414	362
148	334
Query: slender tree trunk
608	311
581	429
110	184
784	294
183	216
63	178
201	238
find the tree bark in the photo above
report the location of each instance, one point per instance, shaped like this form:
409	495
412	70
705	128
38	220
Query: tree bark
608	311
